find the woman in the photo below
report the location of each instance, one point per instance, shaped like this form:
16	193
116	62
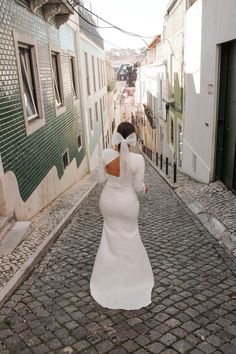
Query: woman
122	276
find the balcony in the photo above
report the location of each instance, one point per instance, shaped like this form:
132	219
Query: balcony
59	9
150	116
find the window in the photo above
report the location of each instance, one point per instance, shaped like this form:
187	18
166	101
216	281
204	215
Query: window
101	111
87	73
73	77
113	126
94	77
91	119
29	81
190	3
102	76
57	79
79	142
104	67
65	159
30	98
96	111
99	74
159	93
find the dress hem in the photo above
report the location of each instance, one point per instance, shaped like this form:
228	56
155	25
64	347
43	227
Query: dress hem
120	307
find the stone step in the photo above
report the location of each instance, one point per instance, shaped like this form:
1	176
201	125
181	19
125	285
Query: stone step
13	237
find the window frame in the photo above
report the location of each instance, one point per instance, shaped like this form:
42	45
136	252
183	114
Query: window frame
68	159
81	142
102	76
87	73
54	50
96	111
32	123
101	110
75	86
90	114
99	73
94	73
103	102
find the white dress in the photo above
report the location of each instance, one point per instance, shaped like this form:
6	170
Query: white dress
122	276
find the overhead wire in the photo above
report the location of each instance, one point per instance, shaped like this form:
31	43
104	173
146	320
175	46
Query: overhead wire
85	29
80	15
112	26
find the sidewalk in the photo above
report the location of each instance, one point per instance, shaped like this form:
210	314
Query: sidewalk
213	204
44	229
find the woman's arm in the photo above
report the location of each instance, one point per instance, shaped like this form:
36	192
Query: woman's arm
138	177
101	171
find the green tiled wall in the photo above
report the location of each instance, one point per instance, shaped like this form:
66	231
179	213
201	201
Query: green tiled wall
32	157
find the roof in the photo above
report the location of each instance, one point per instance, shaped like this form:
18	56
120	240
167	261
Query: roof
154	42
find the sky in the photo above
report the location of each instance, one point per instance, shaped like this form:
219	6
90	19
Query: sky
140	17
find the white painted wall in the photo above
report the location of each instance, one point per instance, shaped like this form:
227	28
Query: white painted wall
93	137
49	188
208	24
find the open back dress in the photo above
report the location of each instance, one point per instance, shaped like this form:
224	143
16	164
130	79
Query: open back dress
122	276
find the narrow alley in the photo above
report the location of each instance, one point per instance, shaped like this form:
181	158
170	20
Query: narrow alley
193	302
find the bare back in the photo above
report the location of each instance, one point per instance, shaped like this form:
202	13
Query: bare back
113	167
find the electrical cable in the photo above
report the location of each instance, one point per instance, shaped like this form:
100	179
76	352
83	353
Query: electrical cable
90	23
85	29
113	26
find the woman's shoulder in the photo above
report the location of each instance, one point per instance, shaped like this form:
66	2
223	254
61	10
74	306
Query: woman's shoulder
137	156
109	151
108	154
137	159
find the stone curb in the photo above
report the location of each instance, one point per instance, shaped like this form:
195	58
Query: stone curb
23	272
216	228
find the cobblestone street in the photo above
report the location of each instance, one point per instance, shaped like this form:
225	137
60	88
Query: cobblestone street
194	298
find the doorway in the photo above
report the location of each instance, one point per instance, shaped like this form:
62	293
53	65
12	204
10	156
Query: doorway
226	134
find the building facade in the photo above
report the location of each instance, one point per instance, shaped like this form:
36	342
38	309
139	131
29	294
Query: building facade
41	141
161	86
94	87
209	150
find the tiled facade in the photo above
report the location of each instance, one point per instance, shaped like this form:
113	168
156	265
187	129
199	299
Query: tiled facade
30	156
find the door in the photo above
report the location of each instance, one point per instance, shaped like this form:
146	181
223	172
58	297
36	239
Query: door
226	144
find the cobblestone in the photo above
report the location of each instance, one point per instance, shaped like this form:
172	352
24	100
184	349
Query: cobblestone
211	200
193	303
41	226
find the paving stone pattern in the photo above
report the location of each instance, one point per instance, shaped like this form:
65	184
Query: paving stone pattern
215	197
193	306
41	226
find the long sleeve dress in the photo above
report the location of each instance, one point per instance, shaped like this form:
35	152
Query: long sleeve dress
122	276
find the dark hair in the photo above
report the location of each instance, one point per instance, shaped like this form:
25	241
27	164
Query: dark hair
125	129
